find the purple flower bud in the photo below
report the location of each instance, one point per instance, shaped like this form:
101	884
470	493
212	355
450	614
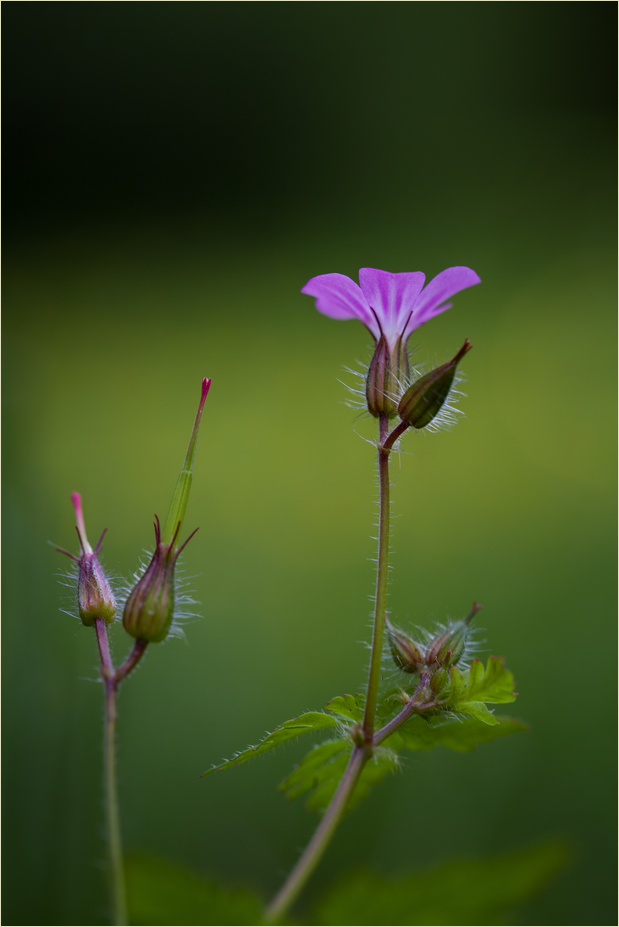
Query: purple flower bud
448	647
149	610
407	654
424	399
95	598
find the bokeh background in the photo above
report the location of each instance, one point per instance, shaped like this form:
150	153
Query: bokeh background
174	173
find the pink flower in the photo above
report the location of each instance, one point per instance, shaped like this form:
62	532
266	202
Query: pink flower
391	305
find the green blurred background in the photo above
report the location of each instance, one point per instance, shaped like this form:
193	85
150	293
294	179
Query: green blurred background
175	173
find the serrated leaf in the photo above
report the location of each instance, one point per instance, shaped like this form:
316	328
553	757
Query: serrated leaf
465	892
304	724
493	684
323	767
419	734
347	706
313	769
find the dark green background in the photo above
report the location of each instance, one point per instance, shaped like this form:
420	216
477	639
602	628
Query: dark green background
174	173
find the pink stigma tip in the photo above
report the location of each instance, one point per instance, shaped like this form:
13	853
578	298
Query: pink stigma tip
206	385
76	499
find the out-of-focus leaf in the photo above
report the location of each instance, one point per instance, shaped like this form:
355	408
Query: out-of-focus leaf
383	762
319	773
422	734
161	892
321	770
304	724
462	892
315	768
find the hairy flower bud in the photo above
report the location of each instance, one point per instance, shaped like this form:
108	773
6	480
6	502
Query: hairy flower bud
424	399
406	653
149	610
388	370
448	647
95	598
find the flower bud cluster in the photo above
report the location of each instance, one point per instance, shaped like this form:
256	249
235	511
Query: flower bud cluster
435	658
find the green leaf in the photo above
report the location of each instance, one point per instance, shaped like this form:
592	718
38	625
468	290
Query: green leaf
323	767
319	773
304	724
476	710
383	762
348	706
161	892
492	684
422	734
315	768
458	685
463	892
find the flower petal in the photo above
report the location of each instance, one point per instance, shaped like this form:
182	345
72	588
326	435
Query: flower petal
340	298
432	299
392	297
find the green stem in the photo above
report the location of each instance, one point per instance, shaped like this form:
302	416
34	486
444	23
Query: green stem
112	816
321	839
119	905
111	680
380	601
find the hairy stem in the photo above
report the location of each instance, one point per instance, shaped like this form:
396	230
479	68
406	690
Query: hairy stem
319	842
112	816
132	660
382	567
111	680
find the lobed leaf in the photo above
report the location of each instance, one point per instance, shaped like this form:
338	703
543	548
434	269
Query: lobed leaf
494	683
422	734
304	724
